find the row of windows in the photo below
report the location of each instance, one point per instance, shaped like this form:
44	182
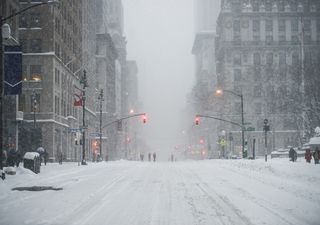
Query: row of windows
269	25
279	6
31	20
281	58
31	45
34	99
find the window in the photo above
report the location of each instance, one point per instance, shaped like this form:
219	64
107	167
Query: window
23	21
36	72
24	46
281	6
255	7
36	45
269	39
295	58
282	25
22	103
270	58
35	102
282	58
237	75
57	76
237	59
256	25
294	39
35	20
307	25
256	38
295	24
257	91
268	7
236	25
257	74
293	6
282	39
258	108
236	7
269	25
56	103
256	58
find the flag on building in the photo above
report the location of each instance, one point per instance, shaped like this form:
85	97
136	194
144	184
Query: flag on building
77	97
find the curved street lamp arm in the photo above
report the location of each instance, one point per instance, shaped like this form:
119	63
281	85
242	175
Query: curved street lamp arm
234	93
123	118
216	118
25	9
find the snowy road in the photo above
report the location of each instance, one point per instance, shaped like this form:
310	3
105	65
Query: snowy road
163	193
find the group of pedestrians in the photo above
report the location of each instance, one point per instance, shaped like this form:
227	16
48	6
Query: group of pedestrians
11	158
316	155
154	156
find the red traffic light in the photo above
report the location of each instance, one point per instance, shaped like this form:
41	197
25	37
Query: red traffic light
144	118
197	120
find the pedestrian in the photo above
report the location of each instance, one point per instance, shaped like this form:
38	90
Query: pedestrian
18	158
292	155
172	157
308	156
60	157
45	157
149	156
11	157
316	156
154	157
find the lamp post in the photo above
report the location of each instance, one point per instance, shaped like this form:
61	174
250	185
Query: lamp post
100	98
84	83
220	92
2	21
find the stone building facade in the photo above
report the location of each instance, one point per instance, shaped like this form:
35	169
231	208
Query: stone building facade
267	51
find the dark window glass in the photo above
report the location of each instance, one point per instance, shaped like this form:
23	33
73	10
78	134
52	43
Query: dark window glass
295	58
282	25
35	45
269	25
268	7
282	58
281	6
282	39
23	21
237	75
255	7
256	25
294	39
269	39
236	26
295	25
35	20
256	58
270	58
307	25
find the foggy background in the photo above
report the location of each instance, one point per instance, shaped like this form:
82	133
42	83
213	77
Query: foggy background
160	36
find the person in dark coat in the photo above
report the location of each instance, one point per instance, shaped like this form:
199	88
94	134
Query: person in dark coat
316	155
18	158
149	156
308	156
154	157
292	155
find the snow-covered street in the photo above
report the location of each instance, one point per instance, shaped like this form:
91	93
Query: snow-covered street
161	193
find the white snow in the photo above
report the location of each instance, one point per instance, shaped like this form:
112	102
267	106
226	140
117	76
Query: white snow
314	141
164	193
31	155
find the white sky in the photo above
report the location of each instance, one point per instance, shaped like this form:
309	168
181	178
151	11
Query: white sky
160	36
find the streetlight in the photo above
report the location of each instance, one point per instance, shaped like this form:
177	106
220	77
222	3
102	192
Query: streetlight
84	83
6	34
220	92
101	99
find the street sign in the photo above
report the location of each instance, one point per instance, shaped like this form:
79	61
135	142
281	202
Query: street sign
94	134
251	129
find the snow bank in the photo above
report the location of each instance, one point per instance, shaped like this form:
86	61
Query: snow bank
31	155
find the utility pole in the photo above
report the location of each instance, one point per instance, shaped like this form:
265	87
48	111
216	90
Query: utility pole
3	176
34	108
100	132
84	83
266	128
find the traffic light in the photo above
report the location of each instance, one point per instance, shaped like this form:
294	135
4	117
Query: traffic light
144	118
197	120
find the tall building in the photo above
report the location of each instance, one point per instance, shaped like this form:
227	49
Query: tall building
11	116
51	39
268	50
206	12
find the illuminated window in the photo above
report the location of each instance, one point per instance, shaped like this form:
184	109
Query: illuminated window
36	72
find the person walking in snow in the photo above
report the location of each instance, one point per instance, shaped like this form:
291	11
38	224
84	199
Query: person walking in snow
292	155
308	156
149	156
316	156
154	157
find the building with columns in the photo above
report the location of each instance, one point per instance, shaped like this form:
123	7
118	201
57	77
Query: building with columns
268	50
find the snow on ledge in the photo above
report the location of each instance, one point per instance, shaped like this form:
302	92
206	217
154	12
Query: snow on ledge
314	141
31	155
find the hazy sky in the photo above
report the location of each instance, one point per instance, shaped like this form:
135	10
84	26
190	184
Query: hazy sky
160	36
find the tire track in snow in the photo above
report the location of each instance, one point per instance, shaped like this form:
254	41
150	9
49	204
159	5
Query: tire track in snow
226	212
